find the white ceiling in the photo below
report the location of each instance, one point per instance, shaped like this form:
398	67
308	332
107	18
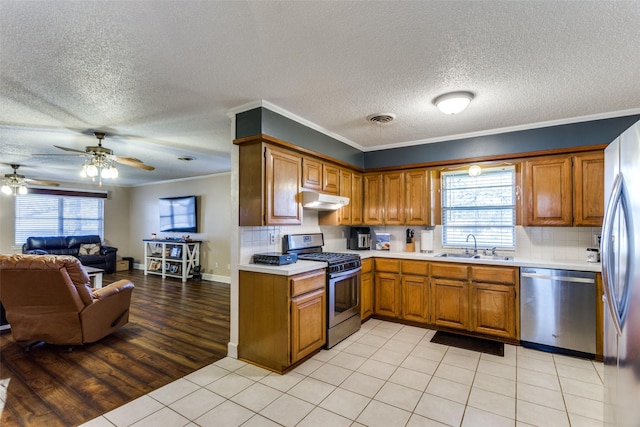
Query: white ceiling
160	77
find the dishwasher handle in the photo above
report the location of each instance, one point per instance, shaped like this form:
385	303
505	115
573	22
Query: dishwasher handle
557	278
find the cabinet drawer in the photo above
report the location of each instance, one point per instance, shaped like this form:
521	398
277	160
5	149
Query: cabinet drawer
418	268
449	270
494	274
388	265
367	265
307	282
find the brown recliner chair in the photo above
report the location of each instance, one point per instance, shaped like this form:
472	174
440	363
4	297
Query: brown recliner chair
48	298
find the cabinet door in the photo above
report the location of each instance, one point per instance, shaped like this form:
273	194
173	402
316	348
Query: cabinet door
450	303
366	295
493	309
387	294
417	197
394	198
588	189
308	324
356	199
373	199
415	298
330	179
282	182
344	214
548	196
311	174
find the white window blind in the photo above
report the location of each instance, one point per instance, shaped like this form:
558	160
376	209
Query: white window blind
57	215
483	206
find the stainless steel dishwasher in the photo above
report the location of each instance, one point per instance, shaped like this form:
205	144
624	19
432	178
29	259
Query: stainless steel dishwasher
558	310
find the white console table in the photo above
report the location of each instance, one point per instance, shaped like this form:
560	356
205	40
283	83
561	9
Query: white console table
171	258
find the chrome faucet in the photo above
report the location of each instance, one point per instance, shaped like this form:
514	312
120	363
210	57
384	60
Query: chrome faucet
475	243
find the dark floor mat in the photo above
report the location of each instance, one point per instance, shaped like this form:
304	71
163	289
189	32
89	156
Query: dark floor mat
469	343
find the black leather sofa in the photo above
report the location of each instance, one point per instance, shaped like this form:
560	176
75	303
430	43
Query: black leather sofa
70	245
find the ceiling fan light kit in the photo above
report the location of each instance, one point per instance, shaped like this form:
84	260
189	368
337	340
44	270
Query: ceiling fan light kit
453	102
14	183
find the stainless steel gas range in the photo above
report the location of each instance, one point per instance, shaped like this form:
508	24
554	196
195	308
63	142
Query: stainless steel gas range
343	283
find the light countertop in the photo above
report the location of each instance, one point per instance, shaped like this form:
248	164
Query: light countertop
304	266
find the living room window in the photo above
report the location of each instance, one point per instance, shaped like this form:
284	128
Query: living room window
483	205
58	213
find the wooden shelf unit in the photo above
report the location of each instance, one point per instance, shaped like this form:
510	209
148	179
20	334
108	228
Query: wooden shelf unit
171	258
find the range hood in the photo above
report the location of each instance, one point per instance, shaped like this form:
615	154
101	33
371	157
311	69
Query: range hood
323	202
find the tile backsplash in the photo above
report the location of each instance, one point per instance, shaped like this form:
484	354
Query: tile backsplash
537	243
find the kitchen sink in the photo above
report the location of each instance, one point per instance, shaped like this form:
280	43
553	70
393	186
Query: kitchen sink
472	256
494	257
455	255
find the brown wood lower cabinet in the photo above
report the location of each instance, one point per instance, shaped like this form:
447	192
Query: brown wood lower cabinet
415	298
450	303
478	299
307	326
366	289
387	294
493	309
282	319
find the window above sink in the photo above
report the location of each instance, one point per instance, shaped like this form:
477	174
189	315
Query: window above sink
482	205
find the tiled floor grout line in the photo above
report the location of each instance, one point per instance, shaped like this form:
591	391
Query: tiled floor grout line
411	348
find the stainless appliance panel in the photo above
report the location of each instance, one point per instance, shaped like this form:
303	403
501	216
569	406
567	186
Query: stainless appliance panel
343	296
558	309
621	280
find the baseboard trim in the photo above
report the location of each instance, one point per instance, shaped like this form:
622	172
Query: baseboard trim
232	350
207	277
217	278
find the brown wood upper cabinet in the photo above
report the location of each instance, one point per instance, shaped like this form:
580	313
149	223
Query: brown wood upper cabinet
320	176
351	187
588	189
564	190
373	199
269	180
397	198
417	197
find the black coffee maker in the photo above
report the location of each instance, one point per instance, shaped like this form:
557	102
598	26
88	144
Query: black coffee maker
359	238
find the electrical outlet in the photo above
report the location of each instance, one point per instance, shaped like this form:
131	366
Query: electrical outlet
217	265
272	238
228	266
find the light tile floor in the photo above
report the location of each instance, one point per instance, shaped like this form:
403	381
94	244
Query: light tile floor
385	375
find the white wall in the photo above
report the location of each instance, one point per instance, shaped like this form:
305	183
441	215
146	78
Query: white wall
214	219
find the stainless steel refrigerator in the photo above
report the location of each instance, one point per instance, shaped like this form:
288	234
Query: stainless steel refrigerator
620	247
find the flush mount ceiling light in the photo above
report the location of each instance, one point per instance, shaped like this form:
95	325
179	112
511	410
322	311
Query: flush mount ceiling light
453	102
475	170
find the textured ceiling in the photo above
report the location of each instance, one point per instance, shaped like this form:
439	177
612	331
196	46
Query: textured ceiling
160	77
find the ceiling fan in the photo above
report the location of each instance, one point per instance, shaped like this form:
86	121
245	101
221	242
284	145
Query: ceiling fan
13	183
100	156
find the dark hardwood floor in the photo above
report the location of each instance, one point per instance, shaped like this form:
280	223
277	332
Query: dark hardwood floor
173	330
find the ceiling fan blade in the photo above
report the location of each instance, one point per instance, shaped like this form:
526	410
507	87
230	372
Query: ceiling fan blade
133	162
58	155
38	182
70	149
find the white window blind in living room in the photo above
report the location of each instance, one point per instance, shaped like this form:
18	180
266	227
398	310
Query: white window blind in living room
72	213
483	205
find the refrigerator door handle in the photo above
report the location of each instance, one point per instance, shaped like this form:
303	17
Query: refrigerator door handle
615	201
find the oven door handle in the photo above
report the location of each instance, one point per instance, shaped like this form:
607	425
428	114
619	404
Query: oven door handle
345	273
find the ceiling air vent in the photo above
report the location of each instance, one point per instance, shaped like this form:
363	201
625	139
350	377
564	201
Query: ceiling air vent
381	118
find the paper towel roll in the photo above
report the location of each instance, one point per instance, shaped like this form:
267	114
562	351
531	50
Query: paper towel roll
426	241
